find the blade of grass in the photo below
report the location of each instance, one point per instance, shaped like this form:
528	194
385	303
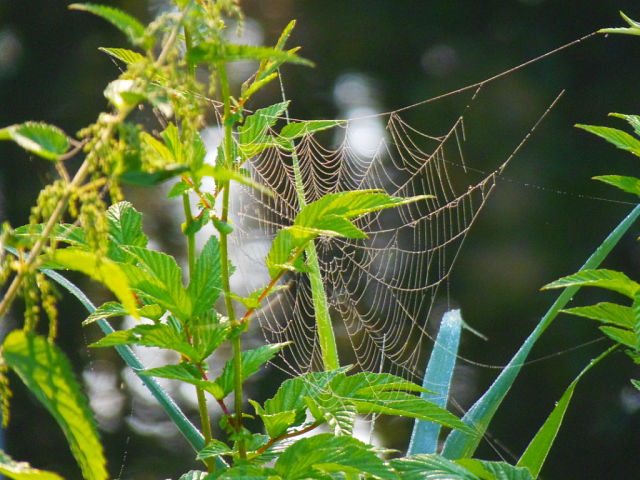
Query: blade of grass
534	456
437	379
460	444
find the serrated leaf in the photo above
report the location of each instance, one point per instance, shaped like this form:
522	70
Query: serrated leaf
281	254
123	54
100	269
124	22
206	279
221	174
178	189
172	141
106	310
277	423
310	457
157	335
194	475
125	228
253	135
339	414
214	448
623	336
160	278
208	332
156	152
609	279
627	184
185	372
22	470
430	467
633	120
46	372
300	129
46	141
214	53
619	138
62	232
606	312
142	178
252	360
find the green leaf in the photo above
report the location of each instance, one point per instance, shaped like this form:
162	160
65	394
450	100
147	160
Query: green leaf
636	383
125	228
143	178
157	335
46	372
207	332
339	414
609	279
495	470
634	27
62	232
430	467
606	312
534	456
125	55
215	53
194	475
627	184
206	279
160	278
100	269
619	138
222	174
44	140
313	456
185	372
281	254
623	336
275	424
22	470
214	448
300	129
124	22
252	360
437	378
106	310
253	135
633	120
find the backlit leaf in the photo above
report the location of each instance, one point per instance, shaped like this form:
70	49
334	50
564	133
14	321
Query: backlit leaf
609	279
206	280
619	138
125	55
22	470
627	184
124	22
44	140
300	129
430	467
606	312
46	372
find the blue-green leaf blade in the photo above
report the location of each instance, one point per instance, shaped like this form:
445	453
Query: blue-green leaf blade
437	379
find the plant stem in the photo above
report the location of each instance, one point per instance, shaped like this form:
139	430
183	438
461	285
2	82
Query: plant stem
224	256
326	336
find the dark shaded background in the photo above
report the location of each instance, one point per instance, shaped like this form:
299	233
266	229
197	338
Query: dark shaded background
543	221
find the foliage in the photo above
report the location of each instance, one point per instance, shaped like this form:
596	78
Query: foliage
72	228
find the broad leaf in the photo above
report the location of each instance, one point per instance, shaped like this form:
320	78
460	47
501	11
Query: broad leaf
206	280
430	467
125	228
104	311
633	120
158	335
46	372
103	270
252	360
619	138
609	279
281	255
41	139
222	174
253	135
124	22
215	52
275	424
495	470
339	414
185	372
606	312
300	129
623	336
125	55
208	332
62	232
214	448
628	184
319	456
22	470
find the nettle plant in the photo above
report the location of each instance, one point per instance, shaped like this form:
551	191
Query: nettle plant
81	222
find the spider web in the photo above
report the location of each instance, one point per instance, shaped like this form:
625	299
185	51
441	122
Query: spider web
381	291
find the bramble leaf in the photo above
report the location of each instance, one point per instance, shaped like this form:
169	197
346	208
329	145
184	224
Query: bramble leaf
214	53
46	372
253	135
277	423
633	120
619	138
627	184
495	470
185	372
318	456
124	22
206	280
22	470
214	448
430	466
606	312
62	232
300	129
101	269
123	54
339	414
44	140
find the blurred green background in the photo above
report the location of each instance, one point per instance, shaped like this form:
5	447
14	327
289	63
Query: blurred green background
544	219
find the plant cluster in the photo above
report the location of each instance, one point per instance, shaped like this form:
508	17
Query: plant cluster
81	222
